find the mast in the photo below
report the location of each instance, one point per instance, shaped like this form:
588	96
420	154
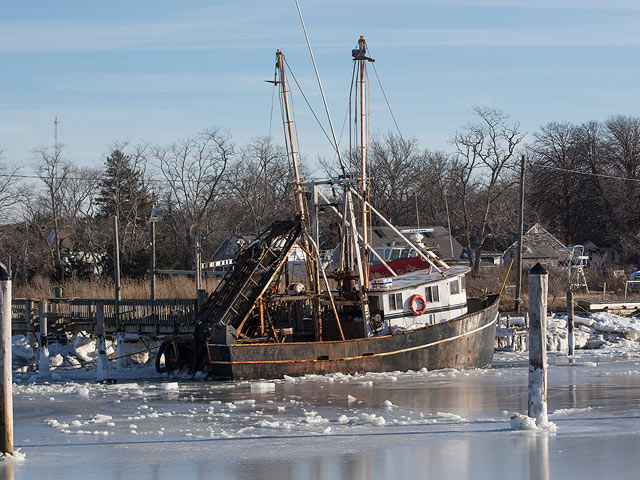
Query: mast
360	56
313	265
290	134
363	162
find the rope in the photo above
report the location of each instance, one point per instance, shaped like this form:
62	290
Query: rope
324	100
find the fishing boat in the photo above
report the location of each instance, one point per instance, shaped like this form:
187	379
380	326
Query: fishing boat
261	323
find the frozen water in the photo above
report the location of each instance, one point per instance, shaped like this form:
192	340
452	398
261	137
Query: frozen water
416	424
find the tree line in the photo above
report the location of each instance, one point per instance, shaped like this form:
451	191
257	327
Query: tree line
583	183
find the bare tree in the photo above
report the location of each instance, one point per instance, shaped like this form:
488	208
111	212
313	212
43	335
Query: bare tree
259	181
9	188
193	170
480	173
555	192
53	170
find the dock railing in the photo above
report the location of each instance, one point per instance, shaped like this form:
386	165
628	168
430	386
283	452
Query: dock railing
626	286
167	316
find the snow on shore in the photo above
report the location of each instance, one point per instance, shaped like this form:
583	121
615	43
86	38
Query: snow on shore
602	331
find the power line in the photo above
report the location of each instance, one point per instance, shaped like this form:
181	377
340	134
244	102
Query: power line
56	177
601	175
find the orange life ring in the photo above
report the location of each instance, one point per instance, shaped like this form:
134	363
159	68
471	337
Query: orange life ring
412	302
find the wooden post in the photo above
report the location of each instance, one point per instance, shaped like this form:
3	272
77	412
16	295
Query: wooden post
520	235
6	385
152	275
28	318
43	368
101	357
538	288
570	324
116	272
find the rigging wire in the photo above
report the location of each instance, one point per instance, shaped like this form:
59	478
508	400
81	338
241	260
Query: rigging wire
308	104
324	100
601	175
347	114
273	94
387	100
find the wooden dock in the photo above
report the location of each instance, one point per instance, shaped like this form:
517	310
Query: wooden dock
162	318
619	307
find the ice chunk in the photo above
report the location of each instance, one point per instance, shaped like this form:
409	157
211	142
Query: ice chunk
523	422
351	399
82	391
263	387
100	418
169	386
342	419
56	360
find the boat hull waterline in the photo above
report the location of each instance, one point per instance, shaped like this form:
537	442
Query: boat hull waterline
463	342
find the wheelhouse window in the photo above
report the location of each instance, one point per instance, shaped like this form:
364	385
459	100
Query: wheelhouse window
463	284
432	294
395	301
454	287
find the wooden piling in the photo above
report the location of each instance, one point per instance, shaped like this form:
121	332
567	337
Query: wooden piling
43	368
6	386
570	323
28	319
538	288
102	373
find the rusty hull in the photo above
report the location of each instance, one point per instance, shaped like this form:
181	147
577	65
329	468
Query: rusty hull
464	342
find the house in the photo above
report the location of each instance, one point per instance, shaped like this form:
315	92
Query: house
538	245
493	259
600	256
226	252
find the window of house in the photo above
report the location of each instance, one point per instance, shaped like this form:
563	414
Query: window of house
454	287
395	301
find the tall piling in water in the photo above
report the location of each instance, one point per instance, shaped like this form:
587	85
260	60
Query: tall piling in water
43	366
6	387
538	288
570	323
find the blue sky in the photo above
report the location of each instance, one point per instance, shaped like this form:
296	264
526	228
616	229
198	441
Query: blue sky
162	70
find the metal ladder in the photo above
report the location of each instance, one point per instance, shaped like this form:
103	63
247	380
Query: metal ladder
255	269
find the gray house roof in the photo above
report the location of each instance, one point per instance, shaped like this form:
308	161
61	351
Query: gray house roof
230	247
538	243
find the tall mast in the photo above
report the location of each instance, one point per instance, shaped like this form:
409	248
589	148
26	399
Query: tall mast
313	266
360	55
290	134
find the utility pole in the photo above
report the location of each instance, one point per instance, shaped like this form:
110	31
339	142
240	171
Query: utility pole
518	302
200	293
155	215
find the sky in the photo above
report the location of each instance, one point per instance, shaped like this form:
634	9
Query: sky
161	71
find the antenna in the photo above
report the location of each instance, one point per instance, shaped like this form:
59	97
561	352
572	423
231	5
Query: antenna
55	134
